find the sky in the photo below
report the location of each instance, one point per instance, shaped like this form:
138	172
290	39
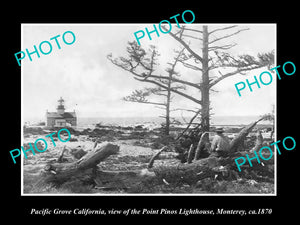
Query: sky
91	85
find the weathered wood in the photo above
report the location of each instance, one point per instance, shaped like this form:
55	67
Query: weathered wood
150	164
189	124
237	141
130	180
96	156
85	169
60	172
188	173
60	158
123	179
258	143
202	144
191	154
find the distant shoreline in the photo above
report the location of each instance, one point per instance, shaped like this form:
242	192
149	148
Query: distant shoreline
154	121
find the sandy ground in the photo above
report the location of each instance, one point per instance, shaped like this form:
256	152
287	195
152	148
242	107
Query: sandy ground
131	156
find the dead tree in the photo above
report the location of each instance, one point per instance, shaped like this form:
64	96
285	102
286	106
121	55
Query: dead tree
214	57
211	56
140	96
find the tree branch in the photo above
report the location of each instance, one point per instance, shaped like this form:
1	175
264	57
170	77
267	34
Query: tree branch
223	47
189	29
175	80
227	36
139	96
128	66
224	28
214	82
152	103
161	94
185	45
173	90
190	66
188	110
185	35
161	107
190	123
242	63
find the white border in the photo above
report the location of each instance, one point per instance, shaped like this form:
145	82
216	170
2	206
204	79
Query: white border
143	194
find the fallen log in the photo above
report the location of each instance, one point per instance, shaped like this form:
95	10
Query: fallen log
237	141
159	175
128	180
60	172
224	168
85	169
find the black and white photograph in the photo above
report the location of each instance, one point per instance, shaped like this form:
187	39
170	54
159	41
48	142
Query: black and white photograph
143	111
173	108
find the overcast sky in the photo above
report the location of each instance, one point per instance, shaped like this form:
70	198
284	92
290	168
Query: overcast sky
94	87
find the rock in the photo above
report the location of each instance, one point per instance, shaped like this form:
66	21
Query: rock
85	131
73	140
139	127
33	130
127	128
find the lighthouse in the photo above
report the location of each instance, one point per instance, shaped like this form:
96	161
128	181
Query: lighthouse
61	118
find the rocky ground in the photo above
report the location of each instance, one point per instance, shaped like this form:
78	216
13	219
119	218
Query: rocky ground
137	146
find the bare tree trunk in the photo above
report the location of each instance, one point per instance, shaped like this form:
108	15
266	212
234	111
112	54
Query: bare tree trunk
205	83
167	128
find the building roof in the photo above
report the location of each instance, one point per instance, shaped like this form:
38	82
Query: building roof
61	116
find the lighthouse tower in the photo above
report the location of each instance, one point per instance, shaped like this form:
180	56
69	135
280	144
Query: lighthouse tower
61	118
61	108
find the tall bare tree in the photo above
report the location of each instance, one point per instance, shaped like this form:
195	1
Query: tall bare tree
207	57
214	57
142	96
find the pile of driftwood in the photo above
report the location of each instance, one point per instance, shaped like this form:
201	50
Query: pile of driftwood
86	169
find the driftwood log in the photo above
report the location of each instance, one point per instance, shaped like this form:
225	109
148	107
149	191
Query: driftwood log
259	142
202	146
221	167
86	167
58	173
237	141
